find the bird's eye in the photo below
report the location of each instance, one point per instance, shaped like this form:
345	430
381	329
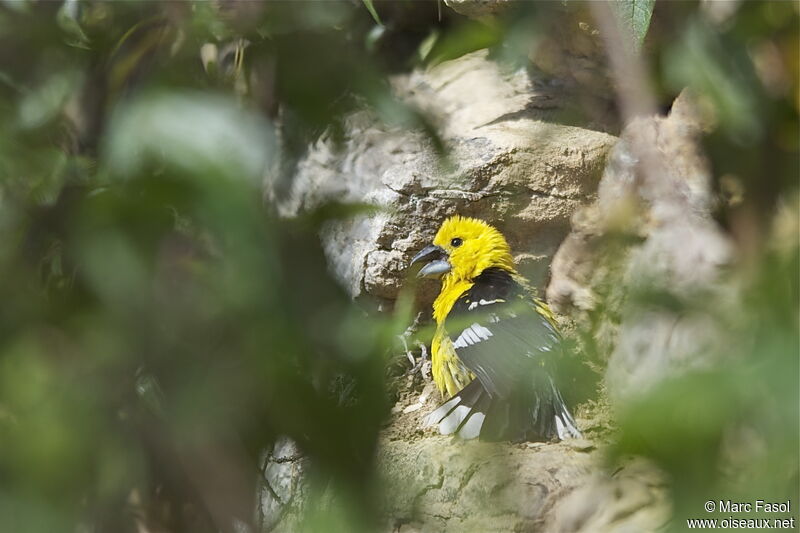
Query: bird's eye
455	243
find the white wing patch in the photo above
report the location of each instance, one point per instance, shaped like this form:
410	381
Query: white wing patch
442	411
474	305
472	427
472	335
565	426
453	420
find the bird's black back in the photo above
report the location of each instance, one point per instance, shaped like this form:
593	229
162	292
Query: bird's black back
502	339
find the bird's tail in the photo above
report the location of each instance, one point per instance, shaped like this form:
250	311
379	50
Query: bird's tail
540	414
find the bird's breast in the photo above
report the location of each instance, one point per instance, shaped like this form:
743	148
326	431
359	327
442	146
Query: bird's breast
449	373
451	291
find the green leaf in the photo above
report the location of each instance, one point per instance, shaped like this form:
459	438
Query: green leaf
371	8
635	15
47	100
200	133
67	18
427	45
468	37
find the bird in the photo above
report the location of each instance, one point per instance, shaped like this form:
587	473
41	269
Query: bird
495	345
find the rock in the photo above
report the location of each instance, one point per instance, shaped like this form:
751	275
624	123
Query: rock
571	47
440	483
436	483
650	231
568	54
282	489
646	225
506	163
633	499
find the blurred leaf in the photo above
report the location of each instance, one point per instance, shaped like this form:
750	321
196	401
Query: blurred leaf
150	392
635	16
700	59
68	20
159	331
374	37
18	513
467	37
688	431
427	45
198	133
371	8
17	5
46	101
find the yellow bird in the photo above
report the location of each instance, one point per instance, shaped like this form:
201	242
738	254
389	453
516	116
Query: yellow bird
493	350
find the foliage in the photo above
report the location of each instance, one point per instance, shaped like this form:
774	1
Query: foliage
161	326
635	16
371	8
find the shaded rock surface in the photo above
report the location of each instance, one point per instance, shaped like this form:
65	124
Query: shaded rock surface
471	486
506	163
568	52
441	484
434	483
651	232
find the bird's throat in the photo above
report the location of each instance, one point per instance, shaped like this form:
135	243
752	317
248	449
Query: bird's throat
452	289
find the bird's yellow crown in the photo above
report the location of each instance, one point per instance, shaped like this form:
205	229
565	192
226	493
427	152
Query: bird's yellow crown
473	246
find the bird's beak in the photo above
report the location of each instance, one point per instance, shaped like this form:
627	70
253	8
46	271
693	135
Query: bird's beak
437	262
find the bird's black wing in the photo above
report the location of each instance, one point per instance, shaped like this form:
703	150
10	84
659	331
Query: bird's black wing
499	336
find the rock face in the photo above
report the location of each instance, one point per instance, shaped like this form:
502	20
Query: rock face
633	498
645	227
650	230
456	486
442	484
505	162
436	484
568	51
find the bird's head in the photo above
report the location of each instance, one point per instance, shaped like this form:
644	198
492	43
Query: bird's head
463	248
